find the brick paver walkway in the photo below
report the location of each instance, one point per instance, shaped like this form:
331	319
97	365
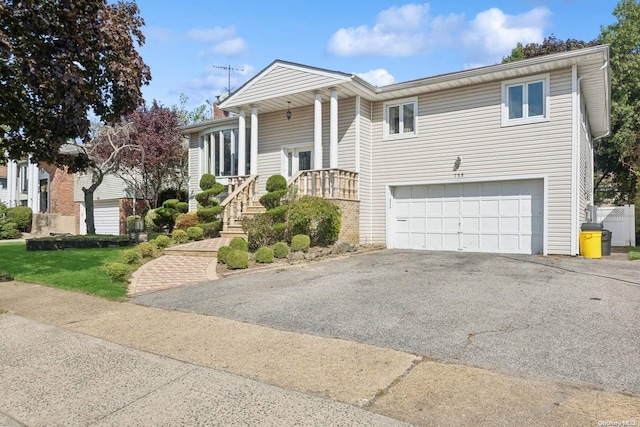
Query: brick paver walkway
180	265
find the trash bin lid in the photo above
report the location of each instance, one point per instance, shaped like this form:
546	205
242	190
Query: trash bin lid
591	226
606	234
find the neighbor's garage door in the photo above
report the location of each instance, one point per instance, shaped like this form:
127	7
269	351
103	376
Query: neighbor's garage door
106	215
499	217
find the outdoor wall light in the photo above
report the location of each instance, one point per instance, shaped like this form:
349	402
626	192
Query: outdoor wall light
288	110
456	164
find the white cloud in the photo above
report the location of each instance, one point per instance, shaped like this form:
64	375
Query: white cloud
161	34
399	31
377	77
214	81
223	40
411	30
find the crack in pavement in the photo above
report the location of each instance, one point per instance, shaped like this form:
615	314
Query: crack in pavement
472	335
367	403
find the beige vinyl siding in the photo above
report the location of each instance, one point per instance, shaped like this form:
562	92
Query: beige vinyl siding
364	177
282	80
194	170
466	123
275	131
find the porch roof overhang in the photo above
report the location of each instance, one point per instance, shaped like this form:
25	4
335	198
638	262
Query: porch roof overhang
207	124
285	82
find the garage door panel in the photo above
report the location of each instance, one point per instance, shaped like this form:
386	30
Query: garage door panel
402	193
487	217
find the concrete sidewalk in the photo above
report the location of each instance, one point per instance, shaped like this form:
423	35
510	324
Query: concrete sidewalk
396	384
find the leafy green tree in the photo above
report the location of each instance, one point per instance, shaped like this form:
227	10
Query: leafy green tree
60	62
199	114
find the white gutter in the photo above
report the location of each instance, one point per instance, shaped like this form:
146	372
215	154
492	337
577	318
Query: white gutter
575	149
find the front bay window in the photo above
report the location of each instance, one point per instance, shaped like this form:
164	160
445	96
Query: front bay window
219	152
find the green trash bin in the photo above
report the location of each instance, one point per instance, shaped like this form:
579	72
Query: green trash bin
606	242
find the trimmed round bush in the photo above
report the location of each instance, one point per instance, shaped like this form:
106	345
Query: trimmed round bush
223	253
146	249
208	198
207	181
186	220
182	207
275	183
195	233
117	271
211	229
22	216
209	214
171	204
300	242
280	250
130	256
272	199
179	236
280	231
8	230
238	243
149	221
316	217
279	213
237	260
163	241
264	255
131	222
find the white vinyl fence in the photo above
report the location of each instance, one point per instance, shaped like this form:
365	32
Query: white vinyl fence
620	220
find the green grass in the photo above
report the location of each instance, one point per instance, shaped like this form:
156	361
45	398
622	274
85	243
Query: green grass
75	269
634	252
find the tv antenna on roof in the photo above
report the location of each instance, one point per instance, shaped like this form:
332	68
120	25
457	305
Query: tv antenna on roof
229	69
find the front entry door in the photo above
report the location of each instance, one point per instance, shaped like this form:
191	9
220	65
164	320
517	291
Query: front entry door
297	159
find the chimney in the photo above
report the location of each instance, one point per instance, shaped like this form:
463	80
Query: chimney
217	112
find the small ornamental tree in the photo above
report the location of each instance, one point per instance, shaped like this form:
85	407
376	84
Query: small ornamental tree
209	208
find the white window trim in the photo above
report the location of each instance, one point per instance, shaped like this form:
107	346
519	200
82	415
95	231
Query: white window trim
290	147
400	102
546	116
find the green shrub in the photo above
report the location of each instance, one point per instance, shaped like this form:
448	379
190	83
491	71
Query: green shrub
146	249
195	233
172	193
170	204
182	207
259	231
209	214
239	244
273	199
207	181
264	255
8	230
22	216
279	231
208	198
237	259
179	236
276	183
279	213
300	242
186	220
149	221
117	271
316	217
165	218
130	256
280	250
223	253
211	229
162	241
132	220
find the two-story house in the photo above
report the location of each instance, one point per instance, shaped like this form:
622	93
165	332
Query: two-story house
493	159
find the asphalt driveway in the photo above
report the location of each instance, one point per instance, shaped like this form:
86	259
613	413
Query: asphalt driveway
556	317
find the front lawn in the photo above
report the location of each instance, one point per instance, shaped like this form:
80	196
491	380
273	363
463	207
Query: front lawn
75	269
634	252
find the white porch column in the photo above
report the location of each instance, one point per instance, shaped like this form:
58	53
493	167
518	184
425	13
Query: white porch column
333	130
212	154
234	153
33	187
253	157
317	131
221	156
242	144
12	182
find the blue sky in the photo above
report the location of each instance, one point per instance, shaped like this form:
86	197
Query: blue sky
382	41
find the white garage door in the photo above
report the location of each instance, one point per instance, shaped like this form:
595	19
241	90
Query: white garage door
499	217
106	216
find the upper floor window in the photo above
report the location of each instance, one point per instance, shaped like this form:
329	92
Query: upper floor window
525	100
400	118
